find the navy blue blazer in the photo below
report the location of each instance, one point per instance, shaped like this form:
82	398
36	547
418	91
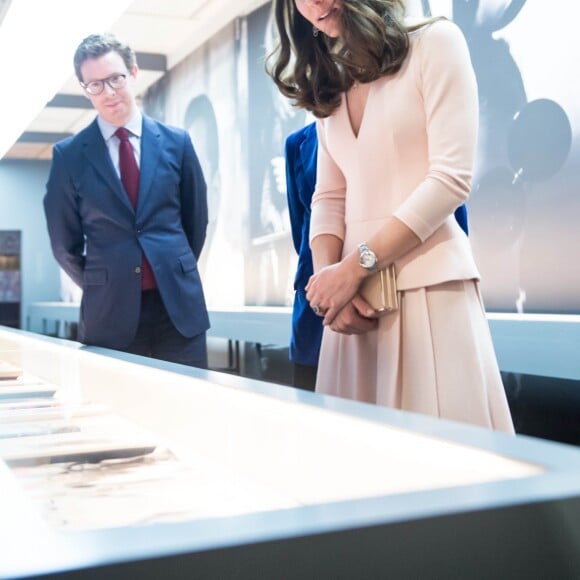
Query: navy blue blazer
301	149
98	238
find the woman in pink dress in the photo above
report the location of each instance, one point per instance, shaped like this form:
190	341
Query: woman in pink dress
397	111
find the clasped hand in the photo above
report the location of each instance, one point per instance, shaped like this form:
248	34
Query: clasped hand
333	293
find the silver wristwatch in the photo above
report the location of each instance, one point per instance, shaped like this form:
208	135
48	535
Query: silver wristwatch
367	258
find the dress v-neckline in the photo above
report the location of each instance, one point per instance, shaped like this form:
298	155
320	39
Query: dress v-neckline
349	119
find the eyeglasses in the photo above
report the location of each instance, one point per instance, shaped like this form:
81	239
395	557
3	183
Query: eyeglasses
97	87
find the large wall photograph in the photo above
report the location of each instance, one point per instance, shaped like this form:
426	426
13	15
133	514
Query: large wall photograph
204	94
524	206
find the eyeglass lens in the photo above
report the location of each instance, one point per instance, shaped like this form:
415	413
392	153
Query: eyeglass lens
97	87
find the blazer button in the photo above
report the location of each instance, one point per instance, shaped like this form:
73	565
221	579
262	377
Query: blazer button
137	270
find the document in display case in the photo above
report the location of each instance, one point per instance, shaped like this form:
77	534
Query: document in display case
137	468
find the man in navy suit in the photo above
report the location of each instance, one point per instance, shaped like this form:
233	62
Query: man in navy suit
134	255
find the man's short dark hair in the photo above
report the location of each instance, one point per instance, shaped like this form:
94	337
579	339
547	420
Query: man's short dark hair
97	45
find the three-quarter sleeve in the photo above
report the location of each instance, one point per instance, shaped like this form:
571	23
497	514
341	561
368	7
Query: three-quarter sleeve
447	84
328	201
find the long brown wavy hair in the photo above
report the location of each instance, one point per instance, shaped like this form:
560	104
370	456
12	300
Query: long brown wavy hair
314	71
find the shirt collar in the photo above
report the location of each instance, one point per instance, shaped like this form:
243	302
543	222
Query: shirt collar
134	125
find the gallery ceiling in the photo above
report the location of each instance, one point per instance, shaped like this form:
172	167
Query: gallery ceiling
162	32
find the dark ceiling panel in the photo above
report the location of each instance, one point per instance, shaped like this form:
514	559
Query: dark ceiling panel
70	102
42	137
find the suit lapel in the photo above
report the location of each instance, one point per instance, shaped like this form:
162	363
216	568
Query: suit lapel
150	155
98	156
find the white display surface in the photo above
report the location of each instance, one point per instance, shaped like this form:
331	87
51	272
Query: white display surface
246	448
303	454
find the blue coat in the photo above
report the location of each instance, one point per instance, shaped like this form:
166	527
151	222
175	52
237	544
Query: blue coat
301	150
85	200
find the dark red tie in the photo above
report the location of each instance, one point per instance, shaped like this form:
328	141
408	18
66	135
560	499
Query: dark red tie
128	166
130	178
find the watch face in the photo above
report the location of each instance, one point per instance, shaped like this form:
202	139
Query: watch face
368	259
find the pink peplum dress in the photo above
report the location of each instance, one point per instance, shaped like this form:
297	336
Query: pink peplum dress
412	158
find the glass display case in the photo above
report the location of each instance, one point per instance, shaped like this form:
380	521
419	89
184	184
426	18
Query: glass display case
115	465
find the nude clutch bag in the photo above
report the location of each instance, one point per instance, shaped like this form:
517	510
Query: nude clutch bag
380	291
